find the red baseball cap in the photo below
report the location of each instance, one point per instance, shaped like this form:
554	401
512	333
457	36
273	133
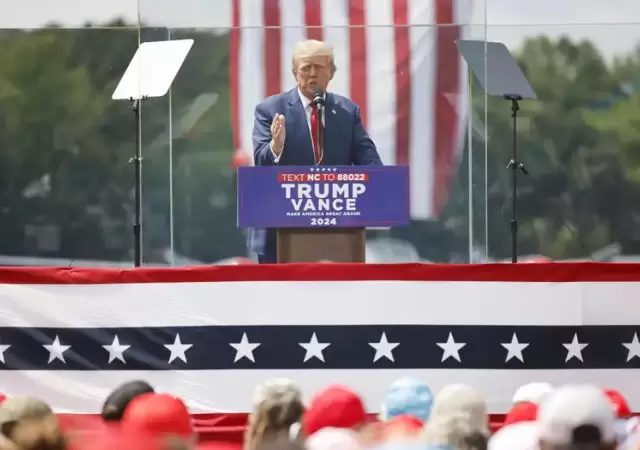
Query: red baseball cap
619	403
521	412
334	407
158	415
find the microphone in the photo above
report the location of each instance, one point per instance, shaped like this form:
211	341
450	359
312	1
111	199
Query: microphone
318	100
318	97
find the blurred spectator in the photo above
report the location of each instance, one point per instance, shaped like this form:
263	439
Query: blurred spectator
334	407
577	417
115	404
620	406
277	408
402	428
30	424
532	392
458	419
333	439
521	412
519	436
408	396
159	415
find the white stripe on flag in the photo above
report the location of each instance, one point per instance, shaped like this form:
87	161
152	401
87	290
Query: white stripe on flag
251	62
423	67
211	391
335	18
381	79
320	303
292	18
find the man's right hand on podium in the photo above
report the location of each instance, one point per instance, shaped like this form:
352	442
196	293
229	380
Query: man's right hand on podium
277	134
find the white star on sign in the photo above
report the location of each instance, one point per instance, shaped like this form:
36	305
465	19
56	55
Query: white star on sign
116	350
178	349
244	348
574	349
384	348
3	348
451	349
314	348
56	350
633	347
514	348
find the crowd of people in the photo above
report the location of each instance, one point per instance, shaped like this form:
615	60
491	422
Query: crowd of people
572	417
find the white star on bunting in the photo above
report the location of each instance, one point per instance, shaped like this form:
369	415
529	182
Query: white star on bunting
244	348
178	349
116	350
3	348
574	349
314	348
384	348
451	349
56	350
633	347
514	348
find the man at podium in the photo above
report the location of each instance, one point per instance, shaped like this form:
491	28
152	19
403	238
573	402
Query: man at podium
308	126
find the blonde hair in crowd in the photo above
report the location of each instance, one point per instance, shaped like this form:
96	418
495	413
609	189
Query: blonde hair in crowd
309	48
37	434
277	407
458	419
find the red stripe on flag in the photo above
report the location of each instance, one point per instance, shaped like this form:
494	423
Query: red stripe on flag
447	83
313	19
358	56
234	73
272	47
403	80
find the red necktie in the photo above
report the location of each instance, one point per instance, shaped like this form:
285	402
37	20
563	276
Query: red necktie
315	127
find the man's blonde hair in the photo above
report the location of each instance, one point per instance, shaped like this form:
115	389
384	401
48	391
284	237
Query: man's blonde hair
309	48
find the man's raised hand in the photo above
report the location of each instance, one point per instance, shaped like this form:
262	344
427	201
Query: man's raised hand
277	134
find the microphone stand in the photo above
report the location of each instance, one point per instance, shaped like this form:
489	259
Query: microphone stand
515	166
319	138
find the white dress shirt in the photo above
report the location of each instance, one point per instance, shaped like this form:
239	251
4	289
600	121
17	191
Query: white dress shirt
308	108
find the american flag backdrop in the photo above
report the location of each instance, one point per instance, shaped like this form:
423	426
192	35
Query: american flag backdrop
392	60
211	335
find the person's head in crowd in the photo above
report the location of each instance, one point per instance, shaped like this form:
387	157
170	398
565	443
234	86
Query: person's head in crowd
458	419
30	424
334	407
618	403
159	415
115	404
532	392
117	438
333	439
408	396
521	412
277	408
577	418
517	436
402	428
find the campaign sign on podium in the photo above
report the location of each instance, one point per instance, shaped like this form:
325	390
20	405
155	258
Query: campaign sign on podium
346	196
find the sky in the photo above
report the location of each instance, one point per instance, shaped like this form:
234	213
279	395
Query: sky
508	21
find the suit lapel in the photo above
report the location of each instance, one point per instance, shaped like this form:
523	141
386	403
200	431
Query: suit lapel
297	118
330	122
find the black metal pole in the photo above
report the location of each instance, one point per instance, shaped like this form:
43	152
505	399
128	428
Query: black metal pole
515	166
137	167
514	183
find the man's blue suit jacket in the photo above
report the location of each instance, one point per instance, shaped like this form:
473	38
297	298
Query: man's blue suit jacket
346	142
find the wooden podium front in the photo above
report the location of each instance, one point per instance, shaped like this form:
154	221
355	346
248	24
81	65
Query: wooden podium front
297	245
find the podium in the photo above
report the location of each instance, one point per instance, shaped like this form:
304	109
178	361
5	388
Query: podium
321	213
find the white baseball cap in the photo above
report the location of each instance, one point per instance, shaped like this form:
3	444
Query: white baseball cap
570	407
532	392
